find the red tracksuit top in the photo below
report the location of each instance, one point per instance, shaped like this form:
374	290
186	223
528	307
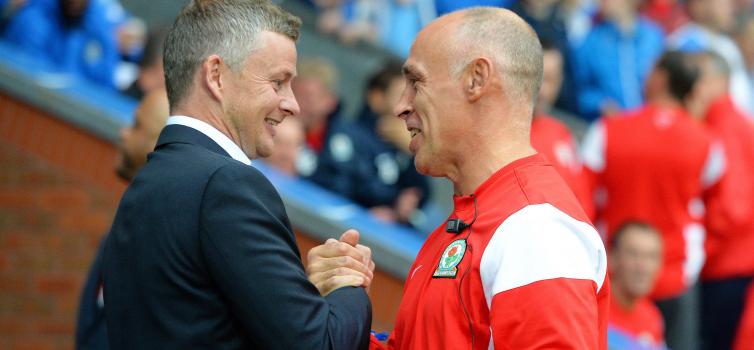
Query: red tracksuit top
730	204
653	164
530	272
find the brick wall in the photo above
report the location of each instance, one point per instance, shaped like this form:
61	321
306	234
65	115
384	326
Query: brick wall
58	194
50	225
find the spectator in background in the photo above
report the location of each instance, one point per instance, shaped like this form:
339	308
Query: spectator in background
151	74
670	14
315	89
654	164
711	23
547	19
551	137
136	141
634	261
78	36
392	24
447	6
366	162
289	139
729	267
8	8
578	16
616	58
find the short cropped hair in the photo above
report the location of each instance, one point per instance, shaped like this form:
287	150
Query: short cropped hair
626	226
512	43
682	70
227	28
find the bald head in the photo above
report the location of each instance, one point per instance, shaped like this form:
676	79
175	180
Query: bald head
137	140
503	37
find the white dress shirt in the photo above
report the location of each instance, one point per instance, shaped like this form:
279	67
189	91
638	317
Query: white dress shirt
221	139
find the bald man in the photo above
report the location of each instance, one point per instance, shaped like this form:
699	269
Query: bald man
136	141
140	138
518	264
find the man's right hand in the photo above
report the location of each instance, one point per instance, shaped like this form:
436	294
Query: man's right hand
337	264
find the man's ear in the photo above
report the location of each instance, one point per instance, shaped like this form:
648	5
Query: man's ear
477	78
212	75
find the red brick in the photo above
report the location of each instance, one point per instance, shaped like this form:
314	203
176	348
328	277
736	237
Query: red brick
55	327
14	284
62	198
5	264
56	284
84	220
33	305
14	325
32	342
17	198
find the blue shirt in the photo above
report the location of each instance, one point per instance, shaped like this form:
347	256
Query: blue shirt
88	48
613	66
446	6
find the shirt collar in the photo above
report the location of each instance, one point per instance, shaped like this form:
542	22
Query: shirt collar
221	139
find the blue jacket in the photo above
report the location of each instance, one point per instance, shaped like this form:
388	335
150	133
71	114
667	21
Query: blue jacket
614	66
88	48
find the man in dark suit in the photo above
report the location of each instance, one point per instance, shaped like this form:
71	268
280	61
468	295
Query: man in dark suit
201	254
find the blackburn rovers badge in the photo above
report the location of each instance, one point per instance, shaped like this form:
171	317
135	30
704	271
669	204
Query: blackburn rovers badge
451	257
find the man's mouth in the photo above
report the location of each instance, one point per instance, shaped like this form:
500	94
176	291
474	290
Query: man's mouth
414	132
272	122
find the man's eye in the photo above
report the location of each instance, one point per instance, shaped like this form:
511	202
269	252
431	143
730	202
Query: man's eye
278	84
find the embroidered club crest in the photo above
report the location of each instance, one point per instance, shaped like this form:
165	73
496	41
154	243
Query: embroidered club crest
451	257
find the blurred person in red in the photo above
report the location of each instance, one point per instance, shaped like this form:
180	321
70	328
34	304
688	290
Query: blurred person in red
136	141
551	137
315	89
654	164
517	265
289	139
634	261
729	220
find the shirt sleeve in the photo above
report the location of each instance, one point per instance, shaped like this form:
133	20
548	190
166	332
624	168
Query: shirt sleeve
541	273
252	257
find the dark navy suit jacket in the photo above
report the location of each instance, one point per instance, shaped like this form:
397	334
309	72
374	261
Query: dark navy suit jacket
201	256
91	333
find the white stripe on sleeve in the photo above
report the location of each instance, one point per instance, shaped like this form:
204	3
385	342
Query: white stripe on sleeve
540	242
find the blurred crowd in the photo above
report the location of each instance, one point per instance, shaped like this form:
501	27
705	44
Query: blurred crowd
666	169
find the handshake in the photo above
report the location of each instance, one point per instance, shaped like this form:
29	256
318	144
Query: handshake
340	263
